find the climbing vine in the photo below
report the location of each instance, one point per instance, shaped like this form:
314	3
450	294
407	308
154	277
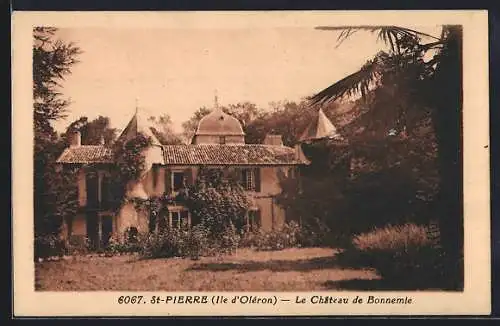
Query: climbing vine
218	200
129	164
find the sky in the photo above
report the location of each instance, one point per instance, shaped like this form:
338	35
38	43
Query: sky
178	70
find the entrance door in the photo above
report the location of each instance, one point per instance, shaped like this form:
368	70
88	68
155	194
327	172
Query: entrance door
107	229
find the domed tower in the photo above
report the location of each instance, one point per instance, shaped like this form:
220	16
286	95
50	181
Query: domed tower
218	127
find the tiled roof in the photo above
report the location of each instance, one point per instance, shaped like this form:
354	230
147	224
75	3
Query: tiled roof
228	155
248	154
86	154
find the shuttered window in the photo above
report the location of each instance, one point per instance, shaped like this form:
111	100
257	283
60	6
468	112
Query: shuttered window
247	179
250	179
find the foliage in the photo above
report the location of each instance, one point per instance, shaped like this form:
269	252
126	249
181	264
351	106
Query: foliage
288	119
290	235
52	61
48	246
129	164
123	244
397	237
91	131
419	78
77	245
189	127
286	237
164	131
188	242
400	253
217	200
54	190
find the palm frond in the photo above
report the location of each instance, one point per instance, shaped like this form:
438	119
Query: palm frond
393	36
356	83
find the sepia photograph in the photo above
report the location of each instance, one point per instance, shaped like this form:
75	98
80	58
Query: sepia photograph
297	158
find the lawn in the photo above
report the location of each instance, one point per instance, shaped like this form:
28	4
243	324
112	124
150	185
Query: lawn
300	269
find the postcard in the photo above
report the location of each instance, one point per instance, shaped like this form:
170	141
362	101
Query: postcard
244	163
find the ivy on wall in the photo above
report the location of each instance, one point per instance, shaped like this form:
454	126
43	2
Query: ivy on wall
218	200
129	164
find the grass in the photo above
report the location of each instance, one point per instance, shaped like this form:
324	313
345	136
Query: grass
304	269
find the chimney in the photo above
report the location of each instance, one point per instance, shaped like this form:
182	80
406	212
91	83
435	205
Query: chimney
102	142
275	140
76	139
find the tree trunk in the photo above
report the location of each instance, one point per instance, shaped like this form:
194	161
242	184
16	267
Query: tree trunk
447	118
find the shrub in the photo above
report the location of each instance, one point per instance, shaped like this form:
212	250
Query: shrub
229	240
188	242
125	244
399	237
402	253
77	245
49	246
315	233
289	236
286	237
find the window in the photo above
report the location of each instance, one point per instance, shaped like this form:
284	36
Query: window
250	179
176	218
222	140
179	218
177	181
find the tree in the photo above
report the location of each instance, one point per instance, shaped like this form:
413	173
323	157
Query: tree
164	131
190	126
91	131
421	89
52	60
54	193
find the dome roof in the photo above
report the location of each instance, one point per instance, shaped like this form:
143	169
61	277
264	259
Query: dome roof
218	122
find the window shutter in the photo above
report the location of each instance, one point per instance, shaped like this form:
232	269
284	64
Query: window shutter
242	177
257	179
155	176
188	176
168	181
